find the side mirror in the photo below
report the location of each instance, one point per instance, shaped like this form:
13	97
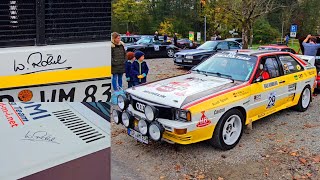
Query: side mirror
259	79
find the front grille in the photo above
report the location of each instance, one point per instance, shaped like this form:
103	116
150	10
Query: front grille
164	112
74	20
17	22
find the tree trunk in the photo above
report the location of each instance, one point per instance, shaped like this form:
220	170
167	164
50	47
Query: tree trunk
245	35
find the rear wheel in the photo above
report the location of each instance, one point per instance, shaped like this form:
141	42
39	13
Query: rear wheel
304	100
228	131
170	53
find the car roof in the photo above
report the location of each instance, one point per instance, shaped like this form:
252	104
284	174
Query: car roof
275	46
251	52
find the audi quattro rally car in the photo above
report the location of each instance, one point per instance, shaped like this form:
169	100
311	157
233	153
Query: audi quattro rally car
217	98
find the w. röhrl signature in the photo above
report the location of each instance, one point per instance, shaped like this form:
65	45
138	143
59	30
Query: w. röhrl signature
36	62
40	136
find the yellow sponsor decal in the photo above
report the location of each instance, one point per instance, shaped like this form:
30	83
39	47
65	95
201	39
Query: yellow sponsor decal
298	67
54	77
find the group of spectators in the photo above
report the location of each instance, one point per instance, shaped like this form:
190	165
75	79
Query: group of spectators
131	64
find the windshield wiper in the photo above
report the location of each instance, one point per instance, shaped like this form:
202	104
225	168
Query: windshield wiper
221	74
199	71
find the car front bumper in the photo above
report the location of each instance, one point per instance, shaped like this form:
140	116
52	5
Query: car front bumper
192	135
186	62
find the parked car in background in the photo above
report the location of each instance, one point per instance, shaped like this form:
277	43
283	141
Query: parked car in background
187	44
190	58
128	40
153	48
239	40
277	47
313	61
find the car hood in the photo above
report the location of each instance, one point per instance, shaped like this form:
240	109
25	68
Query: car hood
181	90
193	51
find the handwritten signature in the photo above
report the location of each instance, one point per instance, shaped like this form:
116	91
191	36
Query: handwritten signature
37	60
42	136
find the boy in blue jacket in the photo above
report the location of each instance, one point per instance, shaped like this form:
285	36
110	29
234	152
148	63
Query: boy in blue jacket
131	58
139	69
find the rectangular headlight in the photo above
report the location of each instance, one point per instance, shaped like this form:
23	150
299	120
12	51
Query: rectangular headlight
183	114
189	57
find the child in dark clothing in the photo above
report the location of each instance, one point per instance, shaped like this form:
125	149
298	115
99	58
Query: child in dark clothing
131	58
139	69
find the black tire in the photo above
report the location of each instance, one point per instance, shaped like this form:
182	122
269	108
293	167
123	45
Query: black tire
299	107
217	137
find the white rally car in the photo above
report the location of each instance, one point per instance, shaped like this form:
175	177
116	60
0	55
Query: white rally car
217	98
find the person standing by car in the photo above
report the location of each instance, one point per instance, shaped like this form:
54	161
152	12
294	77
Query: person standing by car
287	39
165	38
131	58
139	69
118	58
311	48
175	39
156	36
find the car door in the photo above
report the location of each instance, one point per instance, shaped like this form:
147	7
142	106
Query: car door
293	76
267	95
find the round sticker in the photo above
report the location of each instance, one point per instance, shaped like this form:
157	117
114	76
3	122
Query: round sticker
298	67
25	95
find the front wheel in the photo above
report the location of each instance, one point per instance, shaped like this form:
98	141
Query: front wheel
304	100
228	131
170	53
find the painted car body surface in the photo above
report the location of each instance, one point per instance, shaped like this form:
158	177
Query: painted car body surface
208	97
313	61
56	137
68	72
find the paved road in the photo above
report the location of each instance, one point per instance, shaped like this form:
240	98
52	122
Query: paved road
285	145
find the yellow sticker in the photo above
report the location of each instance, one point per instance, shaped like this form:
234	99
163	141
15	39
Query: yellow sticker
298	67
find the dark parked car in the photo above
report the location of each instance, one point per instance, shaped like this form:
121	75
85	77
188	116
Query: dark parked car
187	44
153	48
128	40
190	58
239	40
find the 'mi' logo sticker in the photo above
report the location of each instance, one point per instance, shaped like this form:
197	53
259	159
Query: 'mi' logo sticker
19	114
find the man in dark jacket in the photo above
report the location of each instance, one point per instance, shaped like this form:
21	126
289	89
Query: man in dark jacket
118	59
175	39
156	36
139	69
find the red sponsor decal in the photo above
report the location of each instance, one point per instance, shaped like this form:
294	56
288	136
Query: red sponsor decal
9	116
173	86
180	93
204	121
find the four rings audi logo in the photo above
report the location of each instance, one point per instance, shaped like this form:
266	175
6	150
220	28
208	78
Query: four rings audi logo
140	106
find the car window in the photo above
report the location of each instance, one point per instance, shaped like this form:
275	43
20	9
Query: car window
233	45
223	46
289	64
271	66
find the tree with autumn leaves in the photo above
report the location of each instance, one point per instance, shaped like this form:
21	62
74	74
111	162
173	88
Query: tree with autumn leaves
262	18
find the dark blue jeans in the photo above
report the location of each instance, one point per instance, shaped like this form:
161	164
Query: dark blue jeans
117	81
130	84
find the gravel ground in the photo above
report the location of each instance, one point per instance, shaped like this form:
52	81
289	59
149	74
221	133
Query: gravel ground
285	145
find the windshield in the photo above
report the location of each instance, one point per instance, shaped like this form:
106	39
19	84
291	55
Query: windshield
228	65
209	45
144	41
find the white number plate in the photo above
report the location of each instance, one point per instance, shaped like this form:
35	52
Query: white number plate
138	136
88	91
